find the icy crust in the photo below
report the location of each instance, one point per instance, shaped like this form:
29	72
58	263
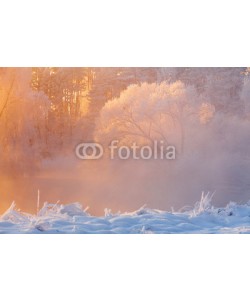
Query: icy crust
71	218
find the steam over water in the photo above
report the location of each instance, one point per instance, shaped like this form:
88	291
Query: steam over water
211	134
127	185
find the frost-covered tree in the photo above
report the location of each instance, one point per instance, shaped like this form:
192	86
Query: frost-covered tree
219	86
206	112
245	94
23	130
223	89
108	83
66	89
147	113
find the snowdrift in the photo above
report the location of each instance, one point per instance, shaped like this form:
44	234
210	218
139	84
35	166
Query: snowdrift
71	218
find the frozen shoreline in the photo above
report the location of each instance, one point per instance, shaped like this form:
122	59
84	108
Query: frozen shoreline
72	219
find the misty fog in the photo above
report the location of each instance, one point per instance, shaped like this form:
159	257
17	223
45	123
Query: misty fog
46	112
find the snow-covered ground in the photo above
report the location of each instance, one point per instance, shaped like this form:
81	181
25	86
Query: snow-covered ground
71	218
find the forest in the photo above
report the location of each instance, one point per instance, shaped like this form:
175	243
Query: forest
205	112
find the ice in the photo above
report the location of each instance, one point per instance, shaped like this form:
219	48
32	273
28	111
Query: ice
73	219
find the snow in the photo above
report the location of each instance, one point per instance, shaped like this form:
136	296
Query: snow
71	218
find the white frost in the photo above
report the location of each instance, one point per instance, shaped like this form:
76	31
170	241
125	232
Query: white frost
71	218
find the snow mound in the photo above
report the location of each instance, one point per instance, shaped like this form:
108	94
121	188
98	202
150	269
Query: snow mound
71	218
